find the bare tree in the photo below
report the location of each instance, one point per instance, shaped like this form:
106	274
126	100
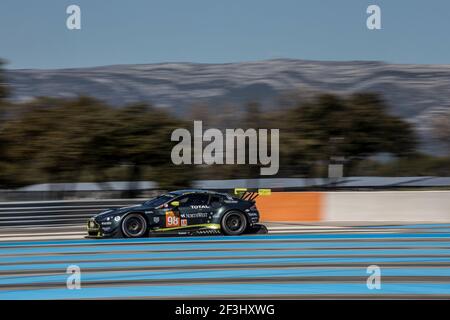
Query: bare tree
441	129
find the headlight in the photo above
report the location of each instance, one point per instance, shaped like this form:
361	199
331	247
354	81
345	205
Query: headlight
117	218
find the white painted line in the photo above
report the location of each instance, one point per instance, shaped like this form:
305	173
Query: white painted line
331	232
81	215
39	220
40	234
77	201
41	238
306	227
37	227
26	209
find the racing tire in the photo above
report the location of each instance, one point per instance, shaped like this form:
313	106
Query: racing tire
233	223
134	226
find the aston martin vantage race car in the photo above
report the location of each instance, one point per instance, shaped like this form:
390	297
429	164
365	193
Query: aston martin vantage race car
183	212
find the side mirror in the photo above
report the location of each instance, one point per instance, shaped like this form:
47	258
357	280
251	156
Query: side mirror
175	203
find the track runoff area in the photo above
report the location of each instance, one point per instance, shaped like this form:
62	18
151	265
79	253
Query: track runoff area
291	261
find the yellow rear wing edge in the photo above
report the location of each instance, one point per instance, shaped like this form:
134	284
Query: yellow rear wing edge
244	194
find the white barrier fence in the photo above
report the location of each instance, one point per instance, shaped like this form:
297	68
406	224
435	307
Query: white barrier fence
402	206
357	206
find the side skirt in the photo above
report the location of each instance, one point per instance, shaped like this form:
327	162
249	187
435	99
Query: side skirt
199	229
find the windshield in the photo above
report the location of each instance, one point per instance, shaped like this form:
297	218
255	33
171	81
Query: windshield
159	200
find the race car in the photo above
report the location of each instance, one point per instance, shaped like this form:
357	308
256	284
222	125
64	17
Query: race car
182	212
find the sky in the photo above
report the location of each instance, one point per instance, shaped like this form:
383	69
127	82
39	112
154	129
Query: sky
33	34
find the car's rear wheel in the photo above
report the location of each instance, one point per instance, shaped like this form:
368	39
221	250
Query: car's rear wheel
234	223
134	226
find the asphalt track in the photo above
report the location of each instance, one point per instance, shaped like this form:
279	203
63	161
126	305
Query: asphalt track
292	261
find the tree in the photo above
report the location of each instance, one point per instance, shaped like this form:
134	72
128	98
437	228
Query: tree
46	138
441	129
57	140
353	127
138	136
3	86
5	167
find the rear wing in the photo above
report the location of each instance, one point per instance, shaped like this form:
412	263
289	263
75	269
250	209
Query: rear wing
245	194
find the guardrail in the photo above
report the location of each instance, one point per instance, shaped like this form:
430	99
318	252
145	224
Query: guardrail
65	212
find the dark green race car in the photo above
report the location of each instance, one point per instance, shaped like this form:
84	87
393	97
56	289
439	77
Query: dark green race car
183	212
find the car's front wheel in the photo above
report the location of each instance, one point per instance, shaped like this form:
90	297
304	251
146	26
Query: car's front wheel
234	223
134	226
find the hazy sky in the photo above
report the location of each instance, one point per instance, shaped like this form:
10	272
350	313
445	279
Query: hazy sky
33	34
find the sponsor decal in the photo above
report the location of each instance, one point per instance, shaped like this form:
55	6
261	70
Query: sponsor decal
200	207
172	220
184	222
155	219
197	215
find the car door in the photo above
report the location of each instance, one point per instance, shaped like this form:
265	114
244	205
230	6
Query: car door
194	209
216	203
